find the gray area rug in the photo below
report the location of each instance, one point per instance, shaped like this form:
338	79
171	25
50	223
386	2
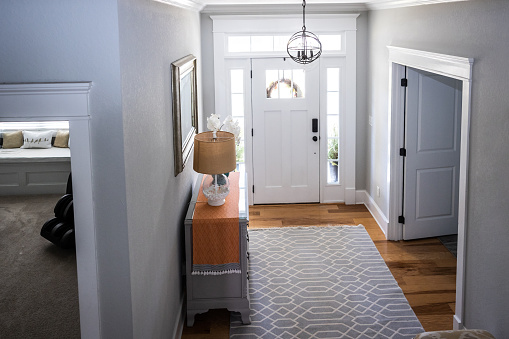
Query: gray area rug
322	282
38	280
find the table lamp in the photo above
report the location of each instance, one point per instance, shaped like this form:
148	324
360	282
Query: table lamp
214	155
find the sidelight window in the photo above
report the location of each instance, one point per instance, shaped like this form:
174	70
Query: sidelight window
237	94
333	128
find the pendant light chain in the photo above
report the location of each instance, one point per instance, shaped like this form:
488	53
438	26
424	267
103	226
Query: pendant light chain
303	15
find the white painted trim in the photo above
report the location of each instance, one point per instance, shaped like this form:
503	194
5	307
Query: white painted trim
180	321
186	4
48	102
363	197
39	100
396	135
283	8
332	193
262	6
446	65
454	67
386	4
457	324
349	130
287	24
462	203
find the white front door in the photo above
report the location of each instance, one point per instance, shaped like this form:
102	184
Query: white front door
433	119
285	99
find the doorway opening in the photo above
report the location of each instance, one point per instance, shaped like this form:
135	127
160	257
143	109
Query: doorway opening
67	102
430	155
39	277
449	66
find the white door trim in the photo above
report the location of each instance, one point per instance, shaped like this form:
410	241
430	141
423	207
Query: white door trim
450	66
67	102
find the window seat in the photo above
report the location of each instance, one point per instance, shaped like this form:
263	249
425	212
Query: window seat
17	155
34	170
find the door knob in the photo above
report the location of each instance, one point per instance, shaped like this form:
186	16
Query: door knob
315	138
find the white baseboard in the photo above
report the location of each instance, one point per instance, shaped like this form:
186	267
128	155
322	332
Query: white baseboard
180	321
457	324
362	197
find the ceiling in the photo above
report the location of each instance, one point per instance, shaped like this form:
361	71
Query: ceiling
348	4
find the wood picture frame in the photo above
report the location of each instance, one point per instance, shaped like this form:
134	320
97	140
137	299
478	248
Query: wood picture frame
185	109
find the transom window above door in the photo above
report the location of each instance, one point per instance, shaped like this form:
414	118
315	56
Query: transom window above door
276	43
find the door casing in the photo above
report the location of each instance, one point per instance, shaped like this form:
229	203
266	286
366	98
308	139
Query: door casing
459	68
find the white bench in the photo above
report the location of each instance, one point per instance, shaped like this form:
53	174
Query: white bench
34	171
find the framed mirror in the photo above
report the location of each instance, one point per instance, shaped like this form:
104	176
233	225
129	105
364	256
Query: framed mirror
185	109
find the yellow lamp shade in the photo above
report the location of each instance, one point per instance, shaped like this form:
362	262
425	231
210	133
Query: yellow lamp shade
214	155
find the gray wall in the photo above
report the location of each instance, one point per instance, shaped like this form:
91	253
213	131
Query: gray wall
207	57
362	57
362	102
138	211
475	29
152	36
59	41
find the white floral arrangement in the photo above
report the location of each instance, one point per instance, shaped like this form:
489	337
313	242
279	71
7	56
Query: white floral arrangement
228	125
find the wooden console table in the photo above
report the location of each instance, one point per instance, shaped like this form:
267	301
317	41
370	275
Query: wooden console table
229	291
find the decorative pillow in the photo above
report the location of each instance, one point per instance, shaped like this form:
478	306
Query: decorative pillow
32	139
62	139
13	140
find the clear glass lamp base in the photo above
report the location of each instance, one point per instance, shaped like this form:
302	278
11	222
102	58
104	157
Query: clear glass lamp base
215	188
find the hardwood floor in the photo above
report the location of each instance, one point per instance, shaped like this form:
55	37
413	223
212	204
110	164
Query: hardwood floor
424	269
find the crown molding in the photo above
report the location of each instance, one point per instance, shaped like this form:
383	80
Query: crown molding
324	8
186	4
264	6
387	4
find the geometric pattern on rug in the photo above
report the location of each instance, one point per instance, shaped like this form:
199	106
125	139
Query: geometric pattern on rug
322	282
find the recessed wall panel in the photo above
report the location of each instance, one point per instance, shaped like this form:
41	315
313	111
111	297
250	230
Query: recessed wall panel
9	179
299	166
436	130
273	145
435	192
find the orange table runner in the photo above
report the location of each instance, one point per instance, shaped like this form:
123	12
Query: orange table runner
216	233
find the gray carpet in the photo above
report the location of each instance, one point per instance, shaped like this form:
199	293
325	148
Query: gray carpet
322	282
38	282
451	243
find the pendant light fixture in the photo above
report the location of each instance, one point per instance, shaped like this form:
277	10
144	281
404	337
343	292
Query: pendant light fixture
304	47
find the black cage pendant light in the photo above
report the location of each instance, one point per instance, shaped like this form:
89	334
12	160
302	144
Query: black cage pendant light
304	47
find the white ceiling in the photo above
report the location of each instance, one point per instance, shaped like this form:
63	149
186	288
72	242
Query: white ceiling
350	4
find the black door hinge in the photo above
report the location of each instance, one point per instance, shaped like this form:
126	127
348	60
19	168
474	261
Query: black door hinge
253	188
404	82
251	74
401	219
402	152
252	132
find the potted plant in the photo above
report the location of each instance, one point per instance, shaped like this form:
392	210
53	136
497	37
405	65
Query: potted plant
333	156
